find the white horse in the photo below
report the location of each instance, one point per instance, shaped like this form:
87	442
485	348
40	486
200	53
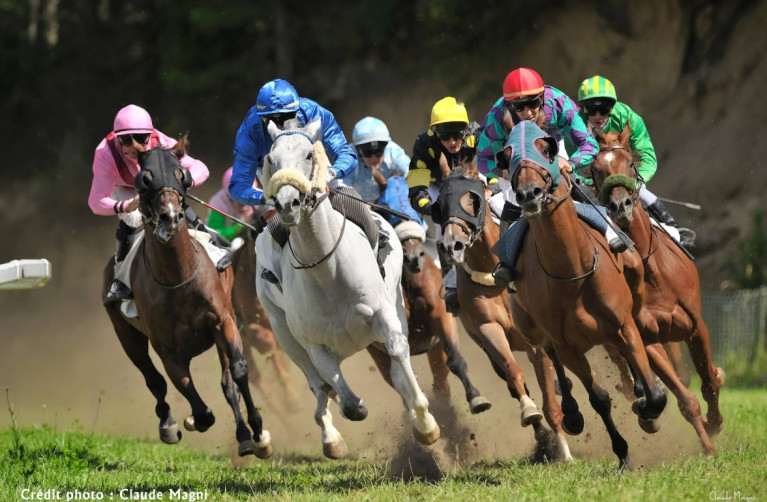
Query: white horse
331	301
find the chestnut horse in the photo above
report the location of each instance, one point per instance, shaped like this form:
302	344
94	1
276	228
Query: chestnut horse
432	330
572	293
672	310
468	234
184	307
256	331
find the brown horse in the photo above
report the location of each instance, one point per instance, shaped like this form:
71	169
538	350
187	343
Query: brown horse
468	234
184	308
671	311
432	330
572	292
256	330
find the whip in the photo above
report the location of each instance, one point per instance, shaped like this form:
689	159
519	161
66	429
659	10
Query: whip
233	218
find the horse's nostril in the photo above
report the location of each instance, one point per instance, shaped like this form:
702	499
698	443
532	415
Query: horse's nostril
296	203
458	246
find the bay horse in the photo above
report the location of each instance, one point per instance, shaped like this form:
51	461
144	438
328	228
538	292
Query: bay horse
672	309
572	292
256	330
468	235
330	299
184	308
432	330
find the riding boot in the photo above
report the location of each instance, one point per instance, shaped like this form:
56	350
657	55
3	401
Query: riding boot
118	290
659	211
509	215
503	275
194	222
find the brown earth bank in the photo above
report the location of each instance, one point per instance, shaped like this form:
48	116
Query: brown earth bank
693	71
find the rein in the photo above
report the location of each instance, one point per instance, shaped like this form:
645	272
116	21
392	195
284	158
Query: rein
177	286
571	279
302	265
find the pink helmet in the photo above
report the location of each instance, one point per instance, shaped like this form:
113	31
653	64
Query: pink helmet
226	179
132	119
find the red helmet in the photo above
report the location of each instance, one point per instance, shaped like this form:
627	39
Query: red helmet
522	82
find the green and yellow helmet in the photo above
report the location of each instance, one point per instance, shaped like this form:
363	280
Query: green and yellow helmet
596	87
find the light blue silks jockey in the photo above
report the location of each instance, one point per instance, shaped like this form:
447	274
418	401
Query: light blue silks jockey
522	144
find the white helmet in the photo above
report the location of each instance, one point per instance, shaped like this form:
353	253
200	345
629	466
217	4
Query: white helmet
368	130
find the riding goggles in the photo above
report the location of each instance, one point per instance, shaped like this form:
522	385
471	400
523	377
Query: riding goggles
279	118
446	134
520	105
128	139
601	109
373	148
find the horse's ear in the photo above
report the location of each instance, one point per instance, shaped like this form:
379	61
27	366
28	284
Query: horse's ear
272	129
600	138
141	181
181	146
625	135
184	176
312	129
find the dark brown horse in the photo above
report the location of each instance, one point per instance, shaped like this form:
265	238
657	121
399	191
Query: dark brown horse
671	311
184	308
256	330
468	234
572	292
432	330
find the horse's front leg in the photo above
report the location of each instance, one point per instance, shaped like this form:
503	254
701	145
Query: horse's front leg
447	331
329	368
234	382
492	339
544	372
388	330
177	368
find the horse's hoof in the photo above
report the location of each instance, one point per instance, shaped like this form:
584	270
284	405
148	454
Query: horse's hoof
428	438
189	424
650	426
713	427
573	423
250	447
170	434
336	449
625	464
531	415
479	404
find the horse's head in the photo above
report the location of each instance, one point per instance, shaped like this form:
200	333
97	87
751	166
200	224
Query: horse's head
295	169
412	237
162	184
460	209
615	175
533	166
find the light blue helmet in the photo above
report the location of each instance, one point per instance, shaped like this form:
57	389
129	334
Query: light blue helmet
368	130
277	96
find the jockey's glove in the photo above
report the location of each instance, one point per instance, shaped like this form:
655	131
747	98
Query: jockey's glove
420	200
332	174
511	212
494	186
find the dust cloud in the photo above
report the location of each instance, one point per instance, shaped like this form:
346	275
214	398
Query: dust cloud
64	367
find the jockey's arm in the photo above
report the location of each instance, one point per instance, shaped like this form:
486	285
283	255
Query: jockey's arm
248	151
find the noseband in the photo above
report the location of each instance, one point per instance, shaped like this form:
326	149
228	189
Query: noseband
632	185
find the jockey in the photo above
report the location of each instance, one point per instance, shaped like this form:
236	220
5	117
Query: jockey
525	97
448	144
115	164
227	228
603	112
278	101
379	159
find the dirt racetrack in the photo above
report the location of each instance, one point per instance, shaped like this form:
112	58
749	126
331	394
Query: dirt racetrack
63	367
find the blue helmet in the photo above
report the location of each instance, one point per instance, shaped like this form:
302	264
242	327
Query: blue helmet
277	96
368	130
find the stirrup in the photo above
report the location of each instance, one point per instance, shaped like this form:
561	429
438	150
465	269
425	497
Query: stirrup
118	291
503	275
269	276
451	301
225	261
687	238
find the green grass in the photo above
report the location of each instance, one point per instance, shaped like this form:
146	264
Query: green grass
47	459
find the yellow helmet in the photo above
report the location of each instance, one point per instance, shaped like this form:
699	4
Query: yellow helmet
448	110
